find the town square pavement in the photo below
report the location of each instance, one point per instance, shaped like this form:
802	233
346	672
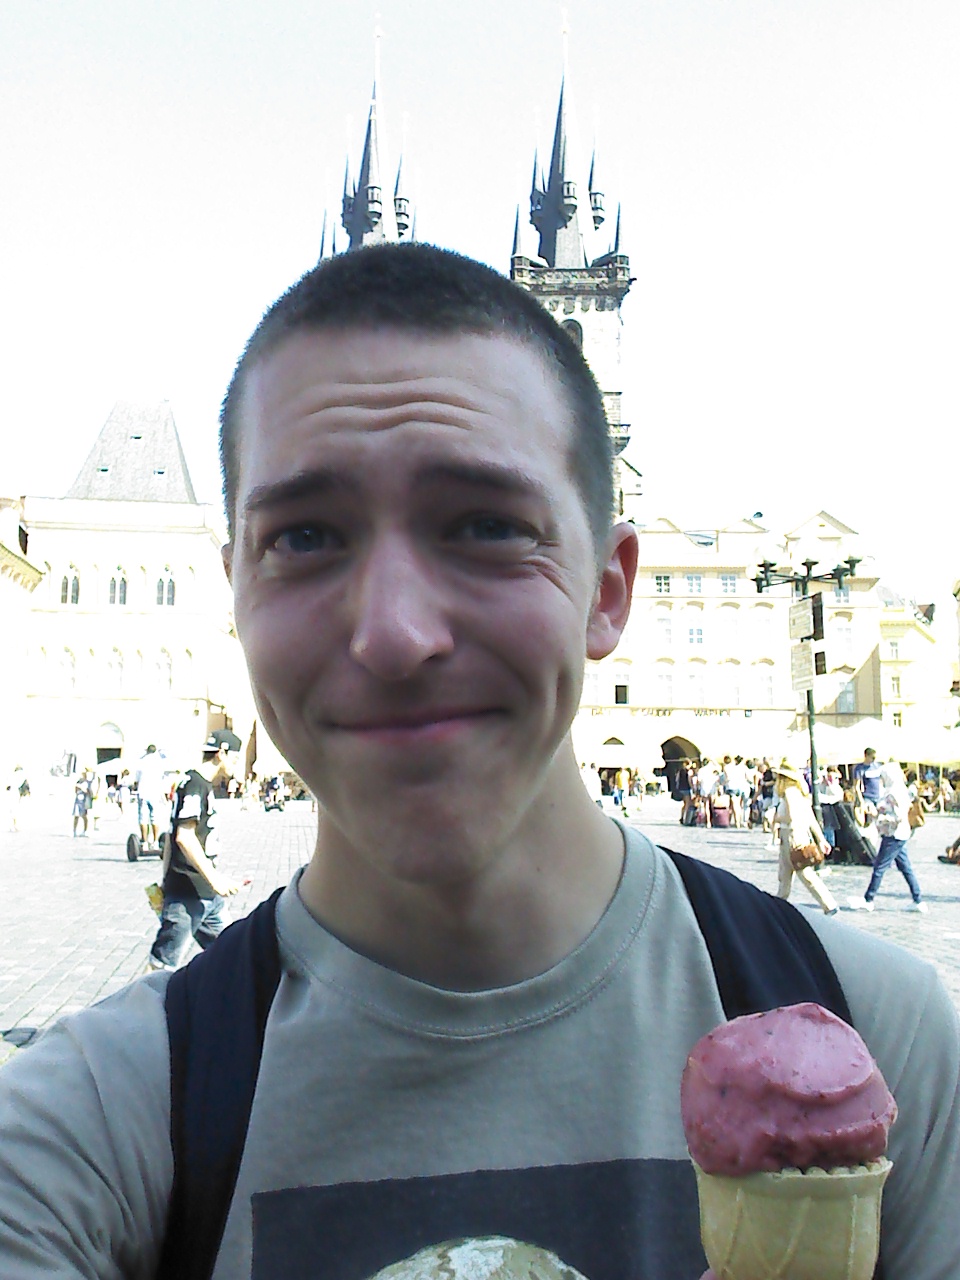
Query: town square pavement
75	923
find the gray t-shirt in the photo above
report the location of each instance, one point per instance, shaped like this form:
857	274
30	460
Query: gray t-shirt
391	1114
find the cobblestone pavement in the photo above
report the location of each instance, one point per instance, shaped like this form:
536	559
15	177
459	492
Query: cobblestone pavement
75	924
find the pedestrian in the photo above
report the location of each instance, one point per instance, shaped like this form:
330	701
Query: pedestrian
81	802
799	829
194	891
468	1015
768	796
622	792
736	784
152	802
124	791
866	776
683	791
893	824
831	794
591	780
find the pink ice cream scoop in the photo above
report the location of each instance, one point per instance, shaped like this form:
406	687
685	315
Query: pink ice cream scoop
792	1088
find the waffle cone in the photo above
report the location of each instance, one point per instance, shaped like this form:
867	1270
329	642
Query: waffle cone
818	1225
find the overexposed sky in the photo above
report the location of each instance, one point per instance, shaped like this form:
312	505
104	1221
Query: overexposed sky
788	171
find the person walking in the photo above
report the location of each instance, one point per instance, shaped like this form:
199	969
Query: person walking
799	827
893	823
193	889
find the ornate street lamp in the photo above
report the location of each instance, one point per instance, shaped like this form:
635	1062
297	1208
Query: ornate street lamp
770	576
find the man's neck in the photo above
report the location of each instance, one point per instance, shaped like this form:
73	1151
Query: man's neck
532	904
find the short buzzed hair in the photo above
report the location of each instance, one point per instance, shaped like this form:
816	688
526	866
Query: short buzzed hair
421	289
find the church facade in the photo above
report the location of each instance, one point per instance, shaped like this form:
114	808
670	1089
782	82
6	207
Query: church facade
129	636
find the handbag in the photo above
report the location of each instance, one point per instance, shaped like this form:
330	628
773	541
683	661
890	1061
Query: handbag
916	814
803	856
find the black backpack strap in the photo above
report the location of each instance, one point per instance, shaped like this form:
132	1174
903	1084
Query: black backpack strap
217	1009
764	953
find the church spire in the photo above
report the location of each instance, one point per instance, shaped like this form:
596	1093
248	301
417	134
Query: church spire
553	205
363	206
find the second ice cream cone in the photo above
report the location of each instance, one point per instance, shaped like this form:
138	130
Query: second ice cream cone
817	1225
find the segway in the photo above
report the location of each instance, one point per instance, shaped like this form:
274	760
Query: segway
135	849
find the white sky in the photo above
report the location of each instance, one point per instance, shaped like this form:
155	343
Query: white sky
788	171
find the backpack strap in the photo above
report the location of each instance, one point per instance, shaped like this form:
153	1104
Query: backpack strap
217	1009
764	953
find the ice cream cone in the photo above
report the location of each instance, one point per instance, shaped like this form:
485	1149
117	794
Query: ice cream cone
792	1225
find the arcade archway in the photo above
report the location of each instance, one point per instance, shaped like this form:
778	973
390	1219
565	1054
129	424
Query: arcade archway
674	751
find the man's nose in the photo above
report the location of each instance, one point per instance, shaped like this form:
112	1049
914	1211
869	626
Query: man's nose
400	622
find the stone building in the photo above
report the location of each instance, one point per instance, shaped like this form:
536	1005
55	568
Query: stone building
703	668
130	632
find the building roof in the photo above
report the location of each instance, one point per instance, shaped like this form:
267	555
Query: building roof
137	457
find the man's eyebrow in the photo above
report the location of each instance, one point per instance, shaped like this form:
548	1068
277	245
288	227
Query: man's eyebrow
304	484
487	475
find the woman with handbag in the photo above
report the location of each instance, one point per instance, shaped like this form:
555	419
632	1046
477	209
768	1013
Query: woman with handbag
893	823
802	843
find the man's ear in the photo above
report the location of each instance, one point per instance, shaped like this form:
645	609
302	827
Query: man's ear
611	602
226	555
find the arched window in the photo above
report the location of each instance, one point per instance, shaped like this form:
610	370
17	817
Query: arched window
75	590
118	587
164	670
575	331
166	589
70	587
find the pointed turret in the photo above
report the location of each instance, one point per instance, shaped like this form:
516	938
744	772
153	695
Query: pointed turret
323	238
401	204
596	195
515	251
553	207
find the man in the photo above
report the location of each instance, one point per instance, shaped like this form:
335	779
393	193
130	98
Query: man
866	775
151	795
193	889
488	987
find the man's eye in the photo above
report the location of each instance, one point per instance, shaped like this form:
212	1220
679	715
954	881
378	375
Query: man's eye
304	539
490	529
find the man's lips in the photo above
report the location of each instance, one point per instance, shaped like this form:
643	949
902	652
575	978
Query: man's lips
412	722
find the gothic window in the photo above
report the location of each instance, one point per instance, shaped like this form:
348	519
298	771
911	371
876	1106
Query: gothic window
70	587
575	332
118	588
166	588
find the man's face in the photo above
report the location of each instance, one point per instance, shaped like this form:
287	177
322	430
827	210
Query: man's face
416	585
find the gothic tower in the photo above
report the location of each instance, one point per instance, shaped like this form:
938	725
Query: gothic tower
366	216
584	295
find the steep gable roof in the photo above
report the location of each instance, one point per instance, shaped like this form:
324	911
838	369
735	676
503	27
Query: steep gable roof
137	457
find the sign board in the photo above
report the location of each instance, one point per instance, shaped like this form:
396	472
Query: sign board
801	619
802	666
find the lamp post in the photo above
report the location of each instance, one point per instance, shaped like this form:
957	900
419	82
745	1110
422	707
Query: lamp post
771	576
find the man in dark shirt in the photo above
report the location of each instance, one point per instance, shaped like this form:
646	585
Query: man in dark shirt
193	890
867	776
